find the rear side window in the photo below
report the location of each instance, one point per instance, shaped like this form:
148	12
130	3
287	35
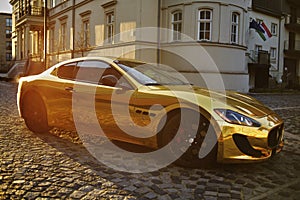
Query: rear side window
67	71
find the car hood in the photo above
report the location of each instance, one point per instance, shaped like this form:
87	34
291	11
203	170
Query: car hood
211	99
247	104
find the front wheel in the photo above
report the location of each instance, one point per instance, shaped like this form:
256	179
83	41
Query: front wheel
187	136
34	113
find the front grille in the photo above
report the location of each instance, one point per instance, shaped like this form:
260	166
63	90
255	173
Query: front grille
274	136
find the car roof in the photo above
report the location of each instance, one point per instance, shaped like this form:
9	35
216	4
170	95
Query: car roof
105	58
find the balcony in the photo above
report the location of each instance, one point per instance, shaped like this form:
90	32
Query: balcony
273	7
32	11
293	25
30	14
294	2
292	49
259	57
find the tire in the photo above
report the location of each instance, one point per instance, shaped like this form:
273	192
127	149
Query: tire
35	114
190	157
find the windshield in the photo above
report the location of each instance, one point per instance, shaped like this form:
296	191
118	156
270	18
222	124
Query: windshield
150	74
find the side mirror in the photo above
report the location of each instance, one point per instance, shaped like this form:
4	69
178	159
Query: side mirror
109	80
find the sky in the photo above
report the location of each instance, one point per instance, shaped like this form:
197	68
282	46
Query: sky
5	6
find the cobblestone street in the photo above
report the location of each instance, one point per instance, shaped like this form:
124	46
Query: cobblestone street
56	165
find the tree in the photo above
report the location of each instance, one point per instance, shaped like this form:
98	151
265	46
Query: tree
82	44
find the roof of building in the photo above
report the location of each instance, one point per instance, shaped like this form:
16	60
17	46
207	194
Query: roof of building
4	13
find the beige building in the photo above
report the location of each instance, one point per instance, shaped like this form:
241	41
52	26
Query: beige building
5	42
28	29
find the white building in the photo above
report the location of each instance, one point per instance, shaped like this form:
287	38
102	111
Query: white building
282	17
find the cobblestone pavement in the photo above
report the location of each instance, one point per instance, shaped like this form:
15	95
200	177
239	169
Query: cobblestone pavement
46	166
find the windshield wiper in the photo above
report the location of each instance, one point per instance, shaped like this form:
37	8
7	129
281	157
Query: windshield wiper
159	84
152	84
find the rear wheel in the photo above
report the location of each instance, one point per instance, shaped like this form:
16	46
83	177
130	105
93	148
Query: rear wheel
34	113
187	136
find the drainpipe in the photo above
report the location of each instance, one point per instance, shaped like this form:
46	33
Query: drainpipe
279	44
158	32
73	29
45	32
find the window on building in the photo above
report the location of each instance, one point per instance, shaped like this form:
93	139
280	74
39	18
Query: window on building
8	56
256	50
274	29
205	24
109	27
16	16
52	39
63	36
86	33
273	52
16	49
8	33
235	28
8	22
8	45
52	3
177	25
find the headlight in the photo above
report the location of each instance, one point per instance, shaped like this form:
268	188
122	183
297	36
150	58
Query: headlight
236	118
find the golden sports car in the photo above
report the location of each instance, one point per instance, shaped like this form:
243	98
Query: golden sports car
151	105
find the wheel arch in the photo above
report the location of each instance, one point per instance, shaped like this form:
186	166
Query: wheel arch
32	91
217	147
172	111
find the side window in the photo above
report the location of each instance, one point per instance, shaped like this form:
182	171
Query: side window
95	72
90	71
110	77
67	71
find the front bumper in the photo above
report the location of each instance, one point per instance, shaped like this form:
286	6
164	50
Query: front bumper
250	144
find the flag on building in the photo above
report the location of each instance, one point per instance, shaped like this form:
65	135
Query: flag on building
261	29
267	33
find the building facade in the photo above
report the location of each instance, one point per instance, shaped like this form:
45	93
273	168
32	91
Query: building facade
281	18
291	45
76	27
5	42
27	32
122	28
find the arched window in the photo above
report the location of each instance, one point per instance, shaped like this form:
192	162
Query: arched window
235	18
205	24
177	25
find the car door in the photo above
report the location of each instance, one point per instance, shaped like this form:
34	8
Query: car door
59	96
98	94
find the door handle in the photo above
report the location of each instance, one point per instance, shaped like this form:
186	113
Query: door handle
70	89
